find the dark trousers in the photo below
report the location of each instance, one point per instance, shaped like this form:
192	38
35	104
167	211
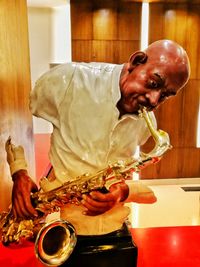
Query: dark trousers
116	249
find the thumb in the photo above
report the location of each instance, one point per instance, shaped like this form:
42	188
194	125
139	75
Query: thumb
120	191
9	150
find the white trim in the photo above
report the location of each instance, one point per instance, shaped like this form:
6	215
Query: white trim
198	128
173	181
145	26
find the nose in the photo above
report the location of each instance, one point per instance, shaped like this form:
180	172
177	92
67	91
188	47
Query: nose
153	96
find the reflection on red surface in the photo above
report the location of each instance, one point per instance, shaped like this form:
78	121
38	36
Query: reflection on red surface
42	145
157	247
15	256
168	246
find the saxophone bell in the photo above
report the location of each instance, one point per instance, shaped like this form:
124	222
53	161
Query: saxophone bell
55	242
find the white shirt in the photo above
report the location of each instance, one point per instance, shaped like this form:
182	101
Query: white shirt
80	100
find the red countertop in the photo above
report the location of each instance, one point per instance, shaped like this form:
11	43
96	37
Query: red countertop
157	247
168	246
19	257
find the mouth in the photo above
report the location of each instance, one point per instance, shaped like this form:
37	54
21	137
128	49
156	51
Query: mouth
147	107
150	108
133	105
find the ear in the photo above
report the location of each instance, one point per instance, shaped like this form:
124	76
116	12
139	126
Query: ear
137	58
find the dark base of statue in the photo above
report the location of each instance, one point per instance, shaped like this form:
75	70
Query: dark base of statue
114	249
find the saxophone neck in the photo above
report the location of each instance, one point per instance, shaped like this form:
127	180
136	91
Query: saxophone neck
161	138
148	119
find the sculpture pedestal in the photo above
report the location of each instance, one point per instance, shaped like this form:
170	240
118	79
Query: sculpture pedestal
114	249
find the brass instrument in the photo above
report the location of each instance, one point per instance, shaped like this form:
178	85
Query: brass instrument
61	232
55	242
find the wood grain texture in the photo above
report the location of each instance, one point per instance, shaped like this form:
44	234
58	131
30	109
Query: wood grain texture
185	161
104	23
104	31
178	116
129	21
15	117
116	36
82	50
81	20
125	49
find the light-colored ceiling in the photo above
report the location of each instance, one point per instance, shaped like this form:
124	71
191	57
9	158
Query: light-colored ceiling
46	3
166	1
54	3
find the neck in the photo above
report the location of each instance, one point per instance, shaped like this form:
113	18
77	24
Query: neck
121	111
119	103
122	75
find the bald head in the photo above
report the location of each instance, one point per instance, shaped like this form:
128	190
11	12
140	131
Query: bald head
173	56
153	75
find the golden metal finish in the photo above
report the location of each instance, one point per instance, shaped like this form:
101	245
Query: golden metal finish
55	242
16	230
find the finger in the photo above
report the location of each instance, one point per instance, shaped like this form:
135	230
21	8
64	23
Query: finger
102	197
30	209
92	213
95	212
92	205
18	152
21	209
28	205
17	211
14	212
34	188
16	205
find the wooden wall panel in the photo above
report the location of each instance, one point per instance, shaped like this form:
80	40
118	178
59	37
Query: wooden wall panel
104	51
184	160
129	21
116	36
82	50
189	112
125	49
156	14
193	39
15	117
81	20
179	115
181	15
104	24
112	30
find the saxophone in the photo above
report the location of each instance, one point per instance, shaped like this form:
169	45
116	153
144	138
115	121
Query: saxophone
35	229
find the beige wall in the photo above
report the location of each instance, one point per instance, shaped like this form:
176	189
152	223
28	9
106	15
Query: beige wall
50	42
39	28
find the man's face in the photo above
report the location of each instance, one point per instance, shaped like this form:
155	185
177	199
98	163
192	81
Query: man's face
148	84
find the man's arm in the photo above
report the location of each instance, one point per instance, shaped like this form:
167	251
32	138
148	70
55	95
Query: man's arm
23	185
130	191
140	193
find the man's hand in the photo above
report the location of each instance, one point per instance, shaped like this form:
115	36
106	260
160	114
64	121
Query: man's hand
22	183
21	195
98	203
